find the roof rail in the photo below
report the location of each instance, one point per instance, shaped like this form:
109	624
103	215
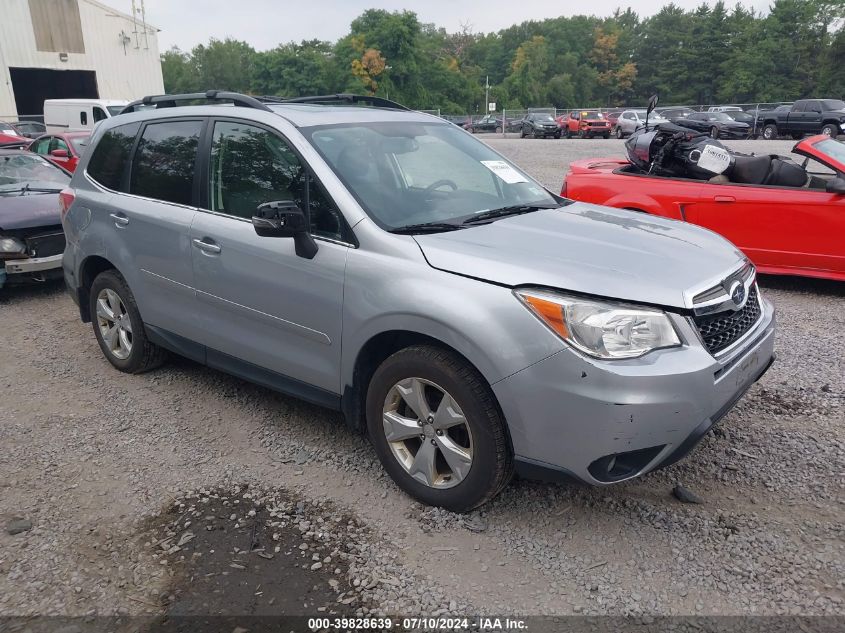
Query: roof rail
353	99
170	101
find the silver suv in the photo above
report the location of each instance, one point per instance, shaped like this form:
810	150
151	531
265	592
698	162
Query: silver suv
387	264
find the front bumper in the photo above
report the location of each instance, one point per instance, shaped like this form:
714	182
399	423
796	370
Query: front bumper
603	422
33	264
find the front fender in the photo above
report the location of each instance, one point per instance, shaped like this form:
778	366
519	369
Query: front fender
484	322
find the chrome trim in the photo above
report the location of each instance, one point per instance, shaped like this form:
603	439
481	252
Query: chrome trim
723	354
725	302
33	264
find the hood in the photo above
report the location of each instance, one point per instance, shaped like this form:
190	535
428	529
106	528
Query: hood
589	249
29	211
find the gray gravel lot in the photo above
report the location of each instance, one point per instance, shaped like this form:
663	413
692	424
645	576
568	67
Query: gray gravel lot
90	456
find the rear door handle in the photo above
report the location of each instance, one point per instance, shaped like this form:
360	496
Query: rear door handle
724	199
119	219
207	247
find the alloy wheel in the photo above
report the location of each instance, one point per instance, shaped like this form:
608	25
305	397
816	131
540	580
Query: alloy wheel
427	433
114	323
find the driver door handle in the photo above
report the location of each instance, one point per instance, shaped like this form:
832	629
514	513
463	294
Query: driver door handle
724	199
119	219
207	247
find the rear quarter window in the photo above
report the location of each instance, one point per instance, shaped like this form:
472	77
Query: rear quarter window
111	155
164	163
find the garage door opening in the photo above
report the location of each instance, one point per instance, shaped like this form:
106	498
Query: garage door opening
33	85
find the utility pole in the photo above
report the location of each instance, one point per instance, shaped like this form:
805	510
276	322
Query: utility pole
486	93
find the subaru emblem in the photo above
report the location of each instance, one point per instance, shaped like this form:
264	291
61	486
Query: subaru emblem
737	294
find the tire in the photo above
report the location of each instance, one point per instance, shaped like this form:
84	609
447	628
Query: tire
619	133
581	134
606	135
522	132
498	130
142	354
829	129
430	370
714	132
567	133
557	134
770	132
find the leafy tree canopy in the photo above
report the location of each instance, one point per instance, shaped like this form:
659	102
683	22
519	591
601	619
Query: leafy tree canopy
706	55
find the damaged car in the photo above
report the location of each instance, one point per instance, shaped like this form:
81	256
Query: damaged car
31	236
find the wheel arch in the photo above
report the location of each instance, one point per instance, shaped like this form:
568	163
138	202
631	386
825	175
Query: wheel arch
375	351
90	267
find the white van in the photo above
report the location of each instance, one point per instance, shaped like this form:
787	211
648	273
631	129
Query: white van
63	115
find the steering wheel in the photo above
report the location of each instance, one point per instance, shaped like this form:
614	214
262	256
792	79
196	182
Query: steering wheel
440	183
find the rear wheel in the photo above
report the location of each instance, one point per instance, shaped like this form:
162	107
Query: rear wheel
498	130
118	326
830	130
437	428
770	132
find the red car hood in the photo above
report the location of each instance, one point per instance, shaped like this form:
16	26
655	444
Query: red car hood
590	249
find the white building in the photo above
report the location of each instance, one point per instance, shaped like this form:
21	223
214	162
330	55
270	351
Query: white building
61	49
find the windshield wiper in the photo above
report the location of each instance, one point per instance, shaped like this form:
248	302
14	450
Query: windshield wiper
28	189
427	227
494	214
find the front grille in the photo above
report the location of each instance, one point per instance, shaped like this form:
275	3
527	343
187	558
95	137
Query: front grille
45	244
720	331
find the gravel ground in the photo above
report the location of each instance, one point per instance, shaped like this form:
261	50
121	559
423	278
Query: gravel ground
99	461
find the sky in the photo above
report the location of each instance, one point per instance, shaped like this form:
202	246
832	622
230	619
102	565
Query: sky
266	23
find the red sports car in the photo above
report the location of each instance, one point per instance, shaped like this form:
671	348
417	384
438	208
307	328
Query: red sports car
63	149
783	230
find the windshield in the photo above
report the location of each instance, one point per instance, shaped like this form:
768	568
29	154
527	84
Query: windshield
544	118
834	149
19	170
719	116
833	104
114	110
594	116
409	173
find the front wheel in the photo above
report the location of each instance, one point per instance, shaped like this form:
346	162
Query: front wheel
437	428
498	130
557	134
619	133
606	135
829	129
770	132
714	132
118	326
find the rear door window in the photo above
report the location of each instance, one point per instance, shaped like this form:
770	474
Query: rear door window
111	156
165	162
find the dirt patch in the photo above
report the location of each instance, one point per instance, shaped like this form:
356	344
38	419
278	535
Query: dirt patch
244	552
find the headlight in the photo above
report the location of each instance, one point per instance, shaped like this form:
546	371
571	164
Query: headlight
600	328
12	248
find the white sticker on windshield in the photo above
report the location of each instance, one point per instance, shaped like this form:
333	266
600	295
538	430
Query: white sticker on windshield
504	171
714	158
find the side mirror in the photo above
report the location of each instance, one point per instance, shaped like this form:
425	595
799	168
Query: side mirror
59	153
283	218
652	103
836	186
